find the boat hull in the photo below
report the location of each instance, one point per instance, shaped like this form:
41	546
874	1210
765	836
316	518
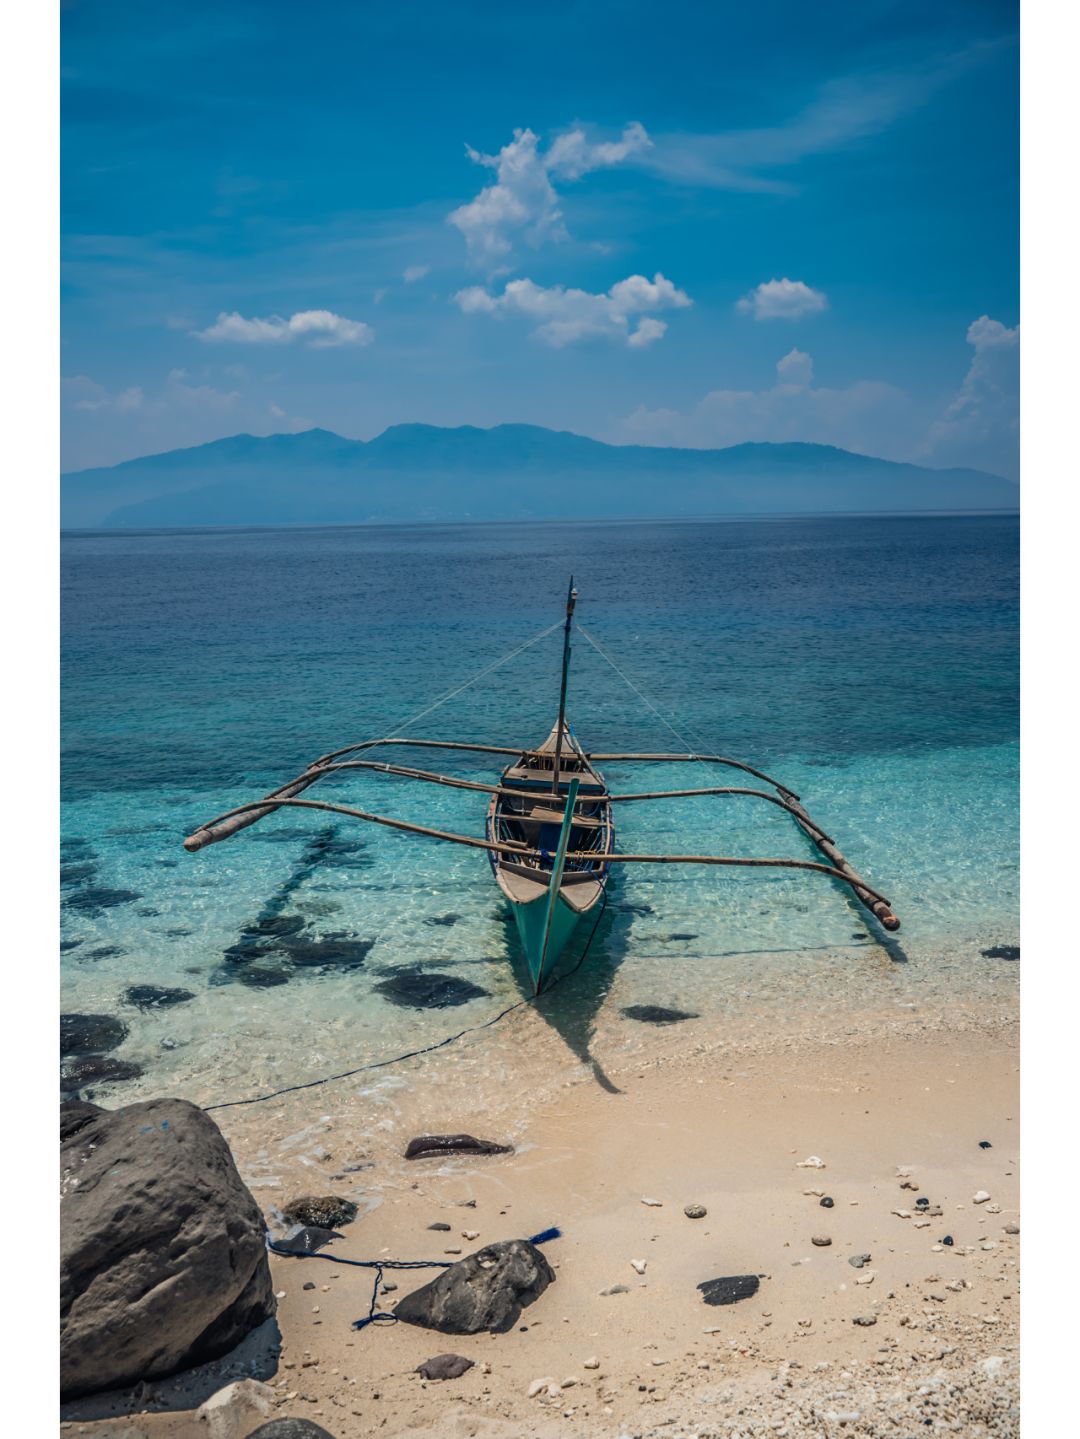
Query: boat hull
530	920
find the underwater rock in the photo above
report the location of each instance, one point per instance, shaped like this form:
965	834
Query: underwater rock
274	926
66	944
486	1290
179	932
444	920
95	900
90	1033
163	1263
76	848
656	1014
319	1211
427	1145
154	996
77	873
337	951
259	978
730	1289
148	912
640	911
97	1069
1002	951
104	951
244	953
682	936
74	1115
415	989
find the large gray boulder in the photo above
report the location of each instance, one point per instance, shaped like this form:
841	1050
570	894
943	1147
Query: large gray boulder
162	1256
485	1290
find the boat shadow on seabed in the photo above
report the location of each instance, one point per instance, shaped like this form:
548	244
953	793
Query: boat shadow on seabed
578	992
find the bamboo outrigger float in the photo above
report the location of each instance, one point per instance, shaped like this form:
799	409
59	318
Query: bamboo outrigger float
550	836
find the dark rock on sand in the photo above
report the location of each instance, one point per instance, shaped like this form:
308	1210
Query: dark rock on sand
308	1240
985	1144
74	1114
444	1228
66	944
290	1429
155	996
414	989
97	1069
162	1262
95	900
486	1290
948	1240
656	1014
1002	951
445	921
445	1366
730	1289
859	1261
245	952
90	1033
321	1211
827	1202
427	1145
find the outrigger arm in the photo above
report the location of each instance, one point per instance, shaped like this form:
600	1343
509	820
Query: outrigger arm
224	826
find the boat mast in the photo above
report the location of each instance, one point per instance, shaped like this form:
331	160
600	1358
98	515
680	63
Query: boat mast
571	601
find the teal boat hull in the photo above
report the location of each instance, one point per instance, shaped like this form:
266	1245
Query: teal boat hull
530	922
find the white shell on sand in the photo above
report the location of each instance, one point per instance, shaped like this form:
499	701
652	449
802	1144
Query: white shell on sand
539	1386
638	1265
655	1203
980	1197
813	1162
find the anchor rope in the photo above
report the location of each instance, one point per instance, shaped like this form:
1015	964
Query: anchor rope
426	1049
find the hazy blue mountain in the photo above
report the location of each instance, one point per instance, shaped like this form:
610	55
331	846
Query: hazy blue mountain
423	472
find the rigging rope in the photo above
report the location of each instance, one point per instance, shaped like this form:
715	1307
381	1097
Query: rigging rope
489	669
692	749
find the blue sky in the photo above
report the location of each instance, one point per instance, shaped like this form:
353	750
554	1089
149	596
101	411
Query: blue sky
666	224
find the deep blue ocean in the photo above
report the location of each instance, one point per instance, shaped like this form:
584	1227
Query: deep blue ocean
871	664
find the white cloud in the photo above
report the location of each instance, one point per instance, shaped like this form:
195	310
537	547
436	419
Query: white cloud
796	368
981	425
782	300
319	329
572	154
868	416
412	273
86	394
563	316
523	203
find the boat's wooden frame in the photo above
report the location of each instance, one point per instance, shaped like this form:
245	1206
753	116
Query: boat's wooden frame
554	792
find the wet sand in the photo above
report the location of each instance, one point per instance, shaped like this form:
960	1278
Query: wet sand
724	1130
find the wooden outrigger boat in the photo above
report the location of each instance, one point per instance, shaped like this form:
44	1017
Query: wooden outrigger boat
550	837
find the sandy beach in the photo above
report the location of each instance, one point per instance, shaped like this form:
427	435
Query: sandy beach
922	1336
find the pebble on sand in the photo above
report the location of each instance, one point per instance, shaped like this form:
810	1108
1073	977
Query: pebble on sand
980	1197
857	1261
812	1162
653	1203
821	1240
592	1363
695	1211
614	1289
865	1320
827	1202
638	1265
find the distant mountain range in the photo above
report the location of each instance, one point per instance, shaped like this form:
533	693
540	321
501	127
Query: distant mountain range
511	472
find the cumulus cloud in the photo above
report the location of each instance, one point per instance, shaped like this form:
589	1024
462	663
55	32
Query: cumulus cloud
782	300
867	416
561	316
86	394
523	203
318	329
981	425
796	368
412	273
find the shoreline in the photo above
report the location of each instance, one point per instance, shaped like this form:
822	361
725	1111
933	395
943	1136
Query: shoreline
697	1127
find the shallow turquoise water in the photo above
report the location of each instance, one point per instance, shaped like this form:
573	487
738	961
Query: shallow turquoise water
869	663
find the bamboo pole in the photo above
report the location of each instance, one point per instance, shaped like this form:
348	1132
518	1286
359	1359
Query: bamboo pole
197	841
695	759
868	898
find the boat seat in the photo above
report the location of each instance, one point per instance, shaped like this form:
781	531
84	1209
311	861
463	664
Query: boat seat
521	774
539	816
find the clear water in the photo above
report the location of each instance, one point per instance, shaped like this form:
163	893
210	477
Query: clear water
869	663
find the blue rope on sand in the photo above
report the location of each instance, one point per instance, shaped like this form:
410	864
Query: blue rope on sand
379	1265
